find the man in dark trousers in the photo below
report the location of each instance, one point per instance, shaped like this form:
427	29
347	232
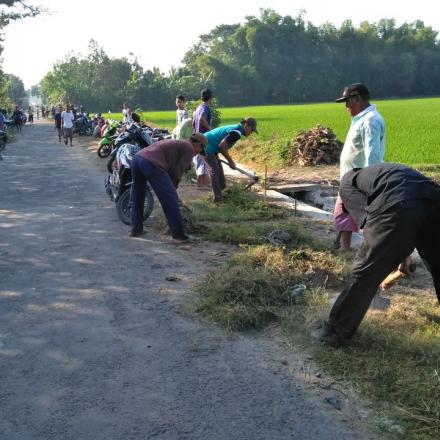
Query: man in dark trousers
162	165
399	210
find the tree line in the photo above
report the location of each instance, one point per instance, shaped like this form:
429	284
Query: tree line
12	89
269	59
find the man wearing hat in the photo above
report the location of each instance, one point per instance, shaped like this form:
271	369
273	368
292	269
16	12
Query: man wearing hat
364	146
162	165
220	140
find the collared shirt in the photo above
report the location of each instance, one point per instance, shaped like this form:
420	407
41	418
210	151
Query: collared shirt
365	142
230	133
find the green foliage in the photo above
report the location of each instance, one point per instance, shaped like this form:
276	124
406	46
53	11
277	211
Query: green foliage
280	59
410	138
10	85
95	81
16	10
15	90
267	59
5	100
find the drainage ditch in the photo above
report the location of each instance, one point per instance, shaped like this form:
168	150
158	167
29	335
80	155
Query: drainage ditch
317	195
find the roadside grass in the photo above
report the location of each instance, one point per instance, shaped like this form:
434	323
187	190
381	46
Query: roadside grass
243	218
394	359
411	134
431	171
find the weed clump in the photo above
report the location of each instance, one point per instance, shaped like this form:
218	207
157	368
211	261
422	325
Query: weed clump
253	288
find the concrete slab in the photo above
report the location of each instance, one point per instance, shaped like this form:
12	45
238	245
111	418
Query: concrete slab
295	187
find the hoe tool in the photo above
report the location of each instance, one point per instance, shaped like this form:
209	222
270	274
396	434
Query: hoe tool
254	178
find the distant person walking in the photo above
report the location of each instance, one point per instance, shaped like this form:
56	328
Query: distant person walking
67	123
30	115
17	118
38	112
59	122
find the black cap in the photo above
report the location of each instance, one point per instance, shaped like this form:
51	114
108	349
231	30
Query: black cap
356	89
252	123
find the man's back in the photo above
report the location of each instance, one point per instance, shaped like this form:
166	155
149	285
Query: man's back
375	189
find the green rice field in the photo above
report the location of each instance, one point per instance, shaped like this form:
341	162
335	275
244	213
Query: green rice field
413	125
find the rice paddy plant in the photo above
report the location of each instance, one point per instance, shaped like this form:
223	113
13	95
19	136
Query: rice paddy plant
412	127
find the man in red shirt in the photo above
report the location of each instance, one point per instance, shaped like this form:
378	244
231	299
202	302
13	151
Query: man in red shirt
162	165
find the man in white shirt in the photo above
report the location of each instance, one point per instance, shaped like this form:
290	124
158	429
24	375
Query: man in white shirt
363	147
67	123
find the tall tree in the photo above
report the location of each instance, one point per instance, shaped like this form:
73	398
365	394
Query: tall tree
11	10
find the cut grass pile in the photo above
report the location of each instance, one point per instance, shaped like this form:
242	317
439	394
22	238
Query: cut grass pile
254	286
411	128
394	359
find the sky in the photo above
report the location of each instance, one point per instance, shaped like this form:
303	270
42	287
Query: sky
159	33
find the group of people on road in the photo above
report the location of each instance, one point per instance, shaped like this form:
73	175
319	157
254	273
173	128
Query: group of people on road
64	124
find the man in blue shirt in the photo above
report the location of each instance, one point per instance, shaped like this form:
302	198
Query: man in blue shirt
220	140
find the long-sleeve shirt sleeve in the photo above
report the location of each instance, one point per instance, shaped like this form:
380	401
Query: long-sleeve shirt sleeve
373	139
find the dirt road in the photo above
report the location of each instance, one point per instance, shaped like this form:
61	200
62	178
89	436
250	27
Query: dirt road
93	343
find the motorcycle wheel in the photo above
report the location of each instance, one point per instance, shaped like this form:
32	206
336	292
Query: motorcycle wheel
123	206
104	151
2	144
88	131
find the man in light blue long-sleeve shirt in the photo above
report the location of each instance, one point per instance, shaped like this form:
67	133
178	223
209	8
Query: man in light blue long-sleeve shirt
364	146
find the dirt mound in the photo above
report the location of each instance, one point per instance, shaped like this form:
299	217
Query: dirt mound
316	146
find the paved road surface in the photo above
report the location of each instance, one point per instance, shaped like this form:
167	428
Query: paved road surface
93	344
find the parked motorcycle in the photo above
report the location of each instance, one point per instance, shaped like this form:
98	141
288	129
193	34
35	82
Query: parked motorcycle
83	125
118	183
106	144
